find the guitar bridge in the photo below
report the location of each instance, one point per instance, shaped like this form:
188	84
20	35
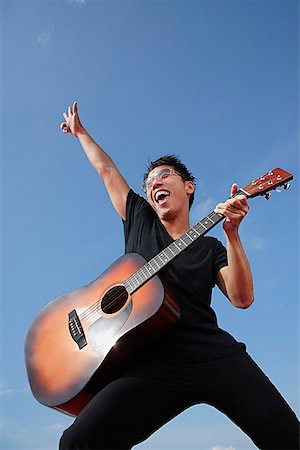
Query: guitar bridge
76	330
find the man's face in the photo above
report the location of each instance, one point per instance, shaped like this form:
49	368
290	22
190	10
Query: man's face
168	193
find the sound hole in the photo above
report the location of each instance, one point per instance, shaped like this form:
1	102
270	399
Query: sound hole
114	299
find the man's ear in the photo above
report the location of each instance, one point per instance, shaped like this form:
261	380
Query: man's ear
190	187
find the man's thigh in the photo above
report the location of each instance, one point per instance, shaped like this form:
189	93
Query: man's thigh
247	396
128	410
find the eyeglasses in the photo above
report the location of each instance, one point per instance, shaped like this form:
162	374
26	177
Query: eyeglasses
162	174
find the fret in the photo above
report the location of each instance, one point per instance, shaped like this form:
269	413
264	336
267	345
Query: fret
128	285
169	254
181	241
175	248
144	269
153	260
165	256
203	227
194	229
190	237
135	280
158	262
170	250
161	261
141	275
151	268
186	240
209	218
193	233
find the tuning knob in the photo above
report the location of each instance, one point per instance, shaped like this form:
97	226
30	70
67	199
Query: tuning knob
267	195
286	186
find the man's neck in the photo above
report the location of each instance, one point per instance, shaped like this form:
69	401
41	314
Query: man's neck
176	228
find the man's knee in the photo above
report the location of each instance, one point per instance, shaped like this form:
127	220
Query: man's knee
69	440
272	433
104	438
75	438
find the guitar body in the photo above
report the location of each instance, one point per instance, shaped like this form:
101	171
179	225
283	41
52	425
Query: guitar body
84	339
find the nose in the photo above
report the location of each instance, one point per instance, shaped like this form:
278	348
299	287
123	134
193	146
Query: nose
156	183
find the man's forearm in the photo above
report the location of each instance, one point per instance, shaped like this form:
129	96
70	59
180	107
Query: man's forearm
98	158
239	283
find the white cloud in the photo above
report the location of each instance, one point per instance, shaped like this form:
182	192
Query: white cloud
11	391
54	428
77	2
43	39
253	241
201	209
221	447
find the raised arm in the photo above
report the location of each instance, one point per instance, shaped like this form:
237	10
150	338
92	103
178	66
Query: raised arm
235	280
115	184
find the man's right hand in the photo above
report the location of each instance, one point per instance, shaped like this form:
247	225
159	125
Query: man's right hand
72	122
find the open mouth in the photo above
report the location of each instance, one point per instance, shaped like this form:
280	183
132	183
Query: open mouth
161	196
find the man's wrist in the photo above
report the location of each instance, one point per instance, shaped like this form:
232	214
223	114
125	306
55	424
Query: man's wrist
232	235
82	133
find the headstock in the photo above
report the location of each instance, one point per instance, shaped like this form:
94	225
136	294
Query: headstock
268	182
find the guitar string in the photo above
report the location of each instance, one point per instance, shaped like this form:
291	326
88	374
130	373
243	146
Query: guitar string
113	300
95	306
92	311
112	297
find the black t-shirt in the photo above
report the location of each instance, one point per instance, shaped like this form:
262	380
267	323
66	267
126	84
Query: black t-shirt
196	335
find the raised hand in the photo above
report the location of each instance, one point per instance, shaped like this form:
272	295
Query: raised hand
72	122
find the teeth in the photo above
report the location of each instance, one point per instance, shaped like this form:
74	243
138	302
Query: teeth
162	192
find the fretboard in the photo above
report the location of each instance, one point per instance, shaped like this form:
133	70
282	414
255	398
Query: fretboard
158	262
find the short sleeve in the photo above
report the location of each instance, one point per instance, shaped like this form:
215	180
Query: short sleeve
136	209
220	257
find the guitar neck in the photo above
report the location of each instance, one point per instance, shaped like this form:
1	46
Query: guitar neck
261	186
158	262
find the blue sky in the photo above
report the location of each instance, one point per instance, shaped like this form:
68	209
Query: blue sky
215	82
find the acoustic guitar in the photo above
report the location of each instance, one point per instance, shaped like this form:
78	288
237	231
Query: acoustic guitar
84	339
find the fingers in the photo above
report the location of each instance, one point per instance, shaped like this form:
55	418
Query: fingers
234	209
72	121
234	189
71	110
64	127
238	205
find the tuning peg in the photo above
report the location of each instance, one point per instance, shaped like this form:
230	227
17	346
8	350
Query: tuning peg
286	186
267	195
278	190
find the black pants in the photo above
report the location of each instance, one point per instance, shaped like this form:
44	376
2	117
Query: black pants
131	408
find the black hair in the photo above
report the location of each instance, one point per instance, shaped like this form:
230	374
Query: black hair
174	161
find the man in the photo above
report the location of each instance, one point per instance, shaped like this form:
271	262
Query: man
195	362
